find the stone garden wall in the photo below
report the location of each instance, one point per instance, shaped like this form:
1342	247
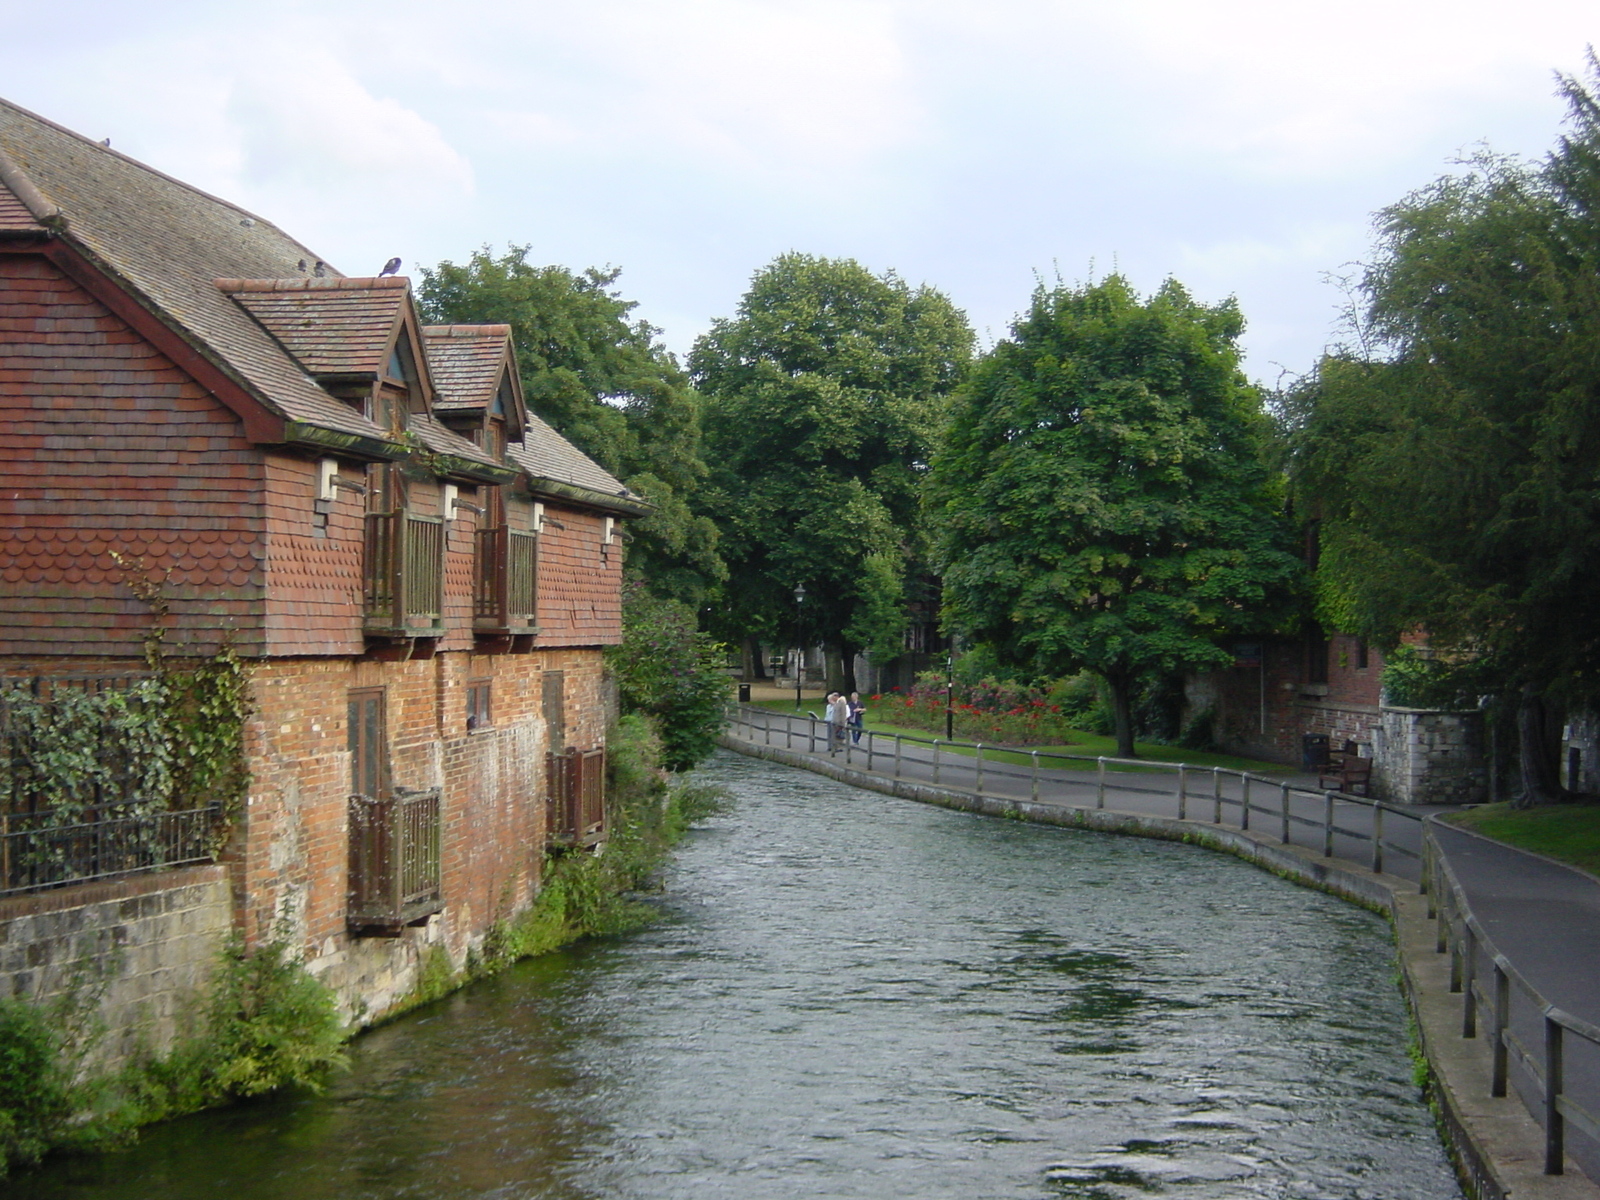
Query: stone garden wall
1427	757
146	946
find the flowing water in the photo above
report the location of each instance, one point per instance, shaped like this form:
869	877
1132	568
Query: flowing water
856	996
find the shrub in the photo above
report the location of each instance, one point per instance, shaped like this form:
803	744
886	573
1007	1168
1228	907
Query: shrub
270	1025
1413	678
669	671
36	1099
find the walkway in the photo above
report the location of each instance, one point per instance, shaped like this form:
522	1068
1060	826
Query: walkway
1543	918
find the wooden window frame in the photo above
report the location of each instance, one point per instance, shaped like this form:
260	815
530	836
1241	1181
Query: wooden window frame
480	705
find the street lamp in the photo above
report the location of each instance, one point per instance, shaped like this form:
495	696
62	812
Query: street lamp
799	644
950	691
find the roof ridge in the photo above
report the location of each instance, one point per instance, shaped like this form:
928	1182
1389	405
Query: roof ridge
314	283
104	148
467	329
16	181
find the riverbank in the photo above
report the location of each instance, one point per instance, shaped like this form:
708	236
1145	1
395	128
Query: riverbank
1497	1146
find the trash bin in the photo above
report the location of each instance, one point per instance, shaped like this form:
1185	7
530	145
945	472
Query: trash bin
744	698
1313	751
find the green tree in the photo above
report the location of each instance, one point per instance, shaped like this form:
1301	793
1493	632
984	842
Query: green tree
824	394
1101	495
605	383
1454	452
671	673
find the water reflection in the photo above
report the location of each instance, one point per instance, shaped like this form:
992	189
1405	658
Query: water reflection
852	996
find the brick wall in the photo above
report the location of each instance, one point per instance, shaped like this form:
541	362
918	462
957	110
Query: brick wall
1279	697
111	447
149	944
292	851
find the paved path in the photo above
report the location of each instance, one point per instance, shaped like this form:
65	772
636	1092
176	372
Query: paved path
1154	792
1544	917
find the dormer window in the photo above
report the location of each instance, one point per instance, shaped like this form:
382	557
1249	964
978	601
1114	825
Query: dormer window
402	365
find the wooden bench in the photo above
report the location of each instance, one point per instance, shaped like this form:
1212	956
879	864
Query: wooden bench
1348	772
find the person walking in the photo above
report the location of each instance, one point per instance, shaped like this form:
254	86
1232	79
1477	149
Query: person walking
858	717
838	720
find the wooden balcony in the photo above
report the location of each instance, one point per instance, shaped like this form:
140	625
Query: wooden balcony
577	812
404	575
394	861
505	595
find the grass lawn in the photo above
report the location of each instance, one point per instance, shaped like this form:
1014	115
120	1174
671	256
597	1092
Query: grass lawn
1091	745
1568	832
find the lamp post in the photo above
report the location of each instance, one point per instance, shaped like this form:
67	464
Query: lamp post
950	691
799	644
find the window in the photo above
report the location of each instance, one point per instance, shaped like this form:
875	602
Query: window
479	714
369	750
555	710
1361	654
1316	657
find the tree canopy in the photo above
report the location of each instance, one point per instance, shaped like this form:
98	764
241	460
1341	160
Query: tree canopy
824	394
1101	496
606	384
1454	452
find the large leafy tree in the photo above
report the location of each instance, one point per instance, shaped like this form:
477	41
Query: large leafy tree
1101	496
1455	450
603	381
824	394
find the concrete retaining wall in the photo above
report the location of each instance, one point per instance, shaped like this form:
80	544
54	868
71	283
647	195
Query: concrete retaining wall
147	945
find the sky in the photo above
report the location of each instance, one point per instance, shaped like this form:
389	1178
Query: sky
1239	146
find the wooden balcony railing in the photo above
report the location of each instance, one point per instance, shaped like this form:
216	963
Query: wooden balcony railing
577	814
505	598
394	860
404	574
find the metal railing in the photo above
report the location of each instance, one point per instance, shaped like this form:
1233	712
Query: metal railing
36	853
993	771
506	596
395	871
1532	1044
404	572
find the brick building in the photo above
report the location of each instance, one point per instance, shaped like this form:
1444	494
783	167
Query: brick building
421	573
1279	690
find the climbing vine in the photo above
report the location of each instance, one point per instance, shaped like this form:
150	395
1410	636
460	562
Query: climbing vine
173	740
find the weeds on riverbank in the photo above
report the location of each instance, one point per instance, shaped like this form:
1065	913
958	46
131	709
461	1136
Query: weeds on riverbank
263	1024
594	893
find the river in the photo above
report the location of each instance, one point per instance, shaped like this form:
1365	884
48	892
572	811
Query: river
850	995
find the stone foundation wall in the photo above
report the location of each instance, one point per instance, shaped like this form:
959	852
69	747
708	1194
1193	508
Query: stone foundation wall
147	944
1427	757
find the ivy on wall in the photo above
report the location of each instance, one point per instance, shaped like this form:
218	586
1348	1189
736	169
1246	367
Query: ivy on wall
174	741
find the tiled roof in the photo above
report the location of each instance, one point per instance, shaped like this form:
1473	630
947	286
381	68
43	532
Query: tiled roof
466	361
14	214
331	326
277	324
545	454
169	243
23	208
440	440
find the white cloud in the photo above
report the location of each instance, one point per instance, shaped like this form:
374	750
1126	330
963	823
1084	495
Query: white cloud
1231	258
1308	89
301	117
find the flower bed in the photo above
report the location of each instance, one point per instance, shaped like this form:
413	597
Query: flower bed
1005	713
